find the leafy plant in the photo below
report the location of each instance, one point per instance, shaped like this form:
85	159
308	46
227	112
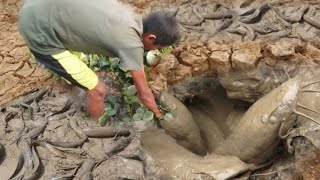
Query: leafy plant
143	114
124	106
165	51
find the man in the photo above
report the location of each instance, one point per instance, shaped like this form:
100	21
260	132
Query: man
53	27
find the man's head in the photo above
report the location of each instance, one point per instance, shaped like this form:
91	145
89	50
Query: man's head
160	29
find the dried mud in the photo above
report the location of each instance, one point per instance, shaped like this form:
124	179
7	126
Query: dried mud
17	74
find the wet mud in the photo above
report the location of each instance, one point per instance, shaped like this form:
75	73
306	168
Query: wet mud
183	164
37	145
253	135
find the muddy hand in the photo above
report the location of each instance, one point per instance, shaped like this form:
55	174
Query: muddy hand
158	115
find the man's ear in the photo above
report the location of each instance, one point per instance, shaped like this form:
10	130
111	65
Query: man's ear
151	38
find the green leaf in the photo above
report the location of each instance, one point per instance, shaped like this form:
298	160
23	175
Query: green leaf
134	99
103	58
113	100
126	85
148	116
103	119
114	62
128	108
137	116
111	112
108	106
141	110
128	75
126	118
169	115
126	99
93	62
131	90
96	69
165	50
104	63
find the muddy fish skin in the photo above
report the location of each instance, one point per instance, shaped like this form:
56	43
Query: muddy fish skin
182	127
105	132
74	144
27	154
37	131
35	172
50	148
18	178
36	96
76	128
2	153
86	169
87	176
60	177
19	166
68	176
257	132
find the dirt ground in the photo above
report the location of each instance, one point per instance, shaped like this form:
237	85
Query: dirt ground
17	74
248	58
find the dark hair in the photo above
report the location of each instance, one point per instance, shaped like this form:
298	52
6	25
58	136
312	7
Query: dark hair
164	25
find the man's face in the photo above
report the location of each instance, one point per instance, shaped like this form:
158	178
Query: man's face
148	40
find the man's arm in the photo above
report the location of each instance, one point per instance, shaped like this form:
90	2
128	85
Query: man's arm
95	100
144	93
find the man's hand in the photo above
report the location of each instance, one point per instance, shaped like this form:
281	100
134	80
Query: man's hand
144	93
158	115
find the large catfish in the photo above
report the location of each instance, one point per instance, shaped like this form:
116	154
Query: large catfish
257	134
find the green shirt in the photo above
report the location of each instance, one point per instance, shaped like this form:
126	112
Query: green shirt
91	26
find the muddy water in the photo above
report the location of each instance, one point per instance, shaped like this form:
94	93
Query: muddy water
229	129
215	116
179	163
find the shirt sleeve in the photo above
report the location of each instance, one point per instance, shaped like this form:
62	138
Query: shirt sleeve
131	58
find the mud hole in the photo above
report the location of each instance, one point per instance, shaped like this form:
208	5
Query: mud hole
261	140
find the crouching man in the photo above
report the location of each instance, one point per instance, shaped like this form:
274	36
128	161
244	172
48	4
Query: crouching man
53	28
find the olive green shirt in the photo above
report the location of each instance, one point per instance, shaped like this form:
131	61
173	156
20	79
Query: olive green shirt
91	26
